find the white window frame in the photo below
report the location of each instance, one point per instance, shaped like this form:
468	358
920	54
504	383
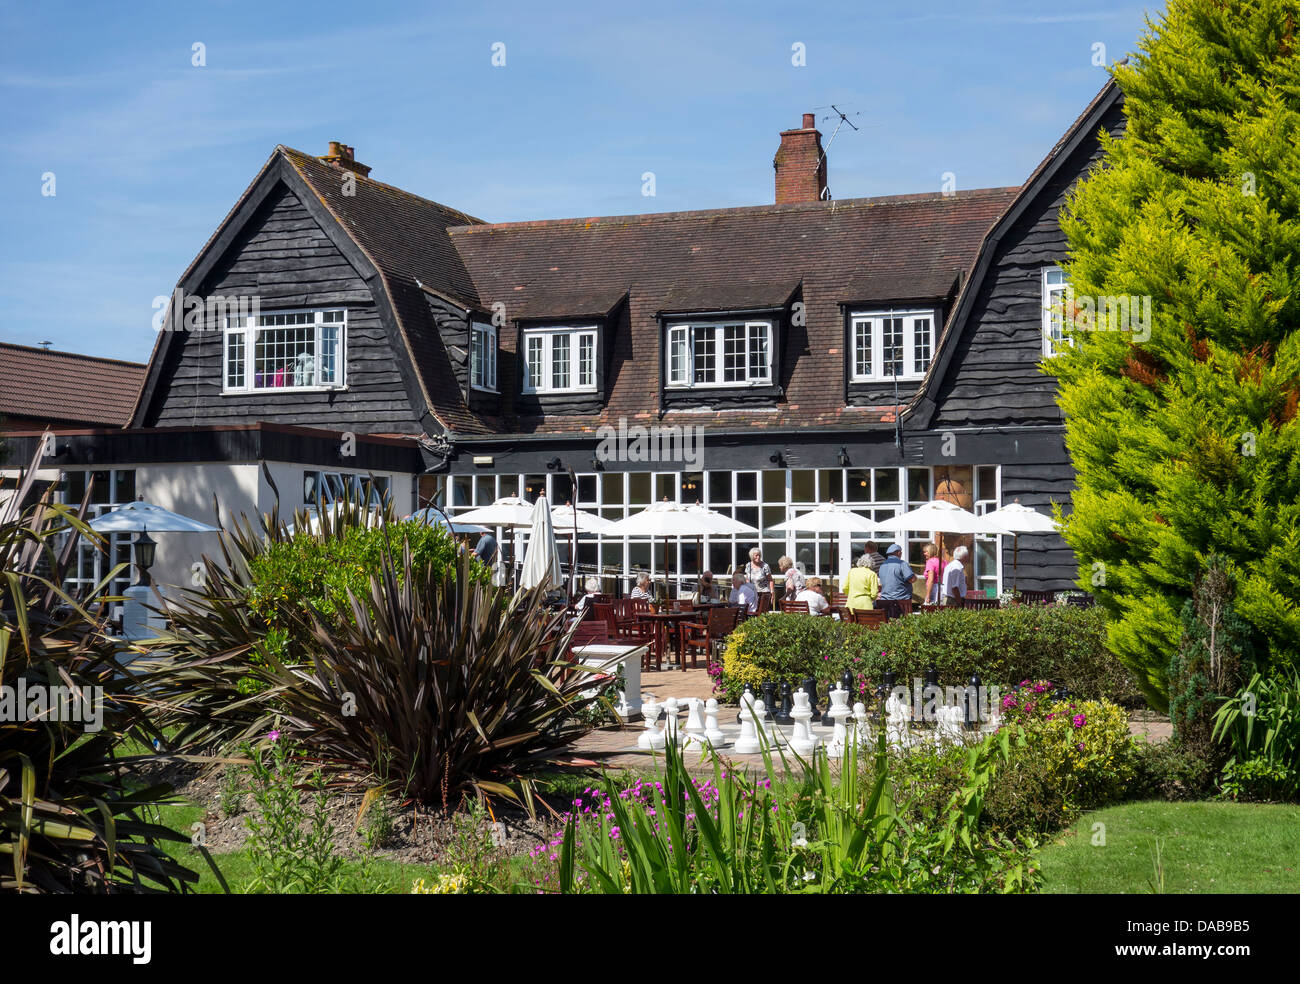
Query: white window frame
1054	295
877	320
483	357
687	332
247	328
575	337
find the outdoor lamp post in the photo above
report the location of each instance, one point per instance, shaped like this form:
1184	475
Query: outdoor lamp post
145	550
973	703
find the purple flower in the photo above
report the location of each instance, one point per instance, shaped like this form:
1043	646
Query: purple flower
1080	720
274	736
1079	746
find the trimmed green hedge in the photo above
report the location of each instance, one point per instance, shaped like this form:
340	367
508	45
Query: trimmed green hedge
1066	645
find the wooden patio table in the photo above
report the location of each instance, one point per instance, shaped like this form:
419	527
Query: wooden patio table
664	624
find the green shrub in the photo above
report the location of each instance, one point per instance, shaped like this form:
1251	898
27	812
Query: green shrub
312	574
1004	646
1167	771
1260	727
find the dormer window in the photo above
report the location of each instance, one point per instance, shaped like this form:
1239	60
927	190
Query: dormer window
720	354
483	357
893	344
559	360
289	350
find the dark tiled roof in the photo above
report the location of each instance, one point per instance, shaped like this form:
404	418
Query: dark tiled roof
841	252
65	388
405	237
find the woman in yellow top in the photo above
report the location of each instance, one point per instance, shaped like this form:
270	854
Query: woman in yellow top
861	585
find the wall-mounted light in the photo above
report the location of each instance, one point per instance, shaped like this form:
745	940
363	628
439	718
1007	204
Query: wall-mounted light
776	459
596	464
844	457
555	463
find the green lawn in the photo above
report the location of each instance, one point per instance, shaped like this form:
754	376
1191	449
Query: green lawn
376	877
1204	848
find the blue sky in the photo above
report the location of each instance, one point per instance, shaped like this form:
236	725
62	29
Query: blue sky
149	152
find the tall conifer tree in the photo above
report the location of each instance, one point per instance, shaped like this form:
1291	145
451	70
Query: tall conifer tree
1186	441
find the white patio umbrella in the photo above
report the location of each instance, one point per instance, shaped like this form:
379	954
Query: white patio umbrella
509	511
1020	519
432	517
674	519
827	518
145	517
542	558
939	516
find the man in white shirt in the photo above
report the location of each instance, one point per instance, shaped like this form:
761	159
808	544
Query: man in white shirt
954	578
743	593
817	603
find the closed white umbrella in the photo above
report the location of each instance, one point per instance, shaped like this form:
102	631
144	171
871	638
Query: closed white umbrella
1020	519
542	558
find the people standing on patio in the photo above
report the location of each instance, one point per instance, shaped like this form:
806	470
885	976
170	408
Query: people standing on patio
812	594
954	577
874	558
486	550
759	573
896	577
743	593
794	579
642	588
933	574
861	585
705	590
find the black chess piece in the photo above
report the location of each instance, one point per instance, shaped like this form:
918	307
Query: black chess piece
749	689
783	716
769	697
810	688
846	683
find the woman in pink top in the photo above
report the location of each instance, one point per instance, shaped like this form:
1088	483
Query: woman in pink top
933	574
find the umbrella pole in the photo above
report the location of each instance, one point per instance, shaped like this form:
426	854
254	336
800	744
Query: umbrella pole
1015	561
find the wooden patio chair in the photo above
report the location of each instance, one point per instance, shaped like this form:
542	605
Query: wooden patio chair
872	618
1081	601
764	602
982	603
895	608
706	635
1036	597
802	607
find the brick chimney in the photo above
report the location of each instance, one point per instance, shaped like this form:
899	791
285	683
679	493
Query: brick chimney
800	166
344	157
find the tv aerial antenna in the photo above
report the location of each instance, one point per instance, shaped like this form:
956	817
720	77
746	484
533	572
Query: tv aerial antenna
843	119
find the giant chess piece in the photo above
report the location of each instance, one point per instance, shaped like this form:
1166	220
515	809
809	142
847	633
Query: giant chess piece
810	688
948	724
672	729
712	733
651	737
769	735
860	724
695	724
769	698
847	681
749	689
896	718
783	716
747	743
803	741
836	714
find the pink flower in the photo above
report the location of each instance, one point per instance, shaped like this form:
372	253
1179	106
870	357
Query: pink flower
1080	720
274	736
